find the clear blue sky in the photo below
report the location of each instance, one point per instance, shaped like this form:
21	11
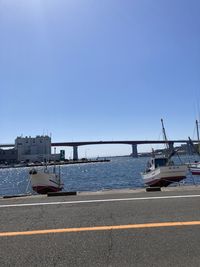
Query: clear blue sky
99	70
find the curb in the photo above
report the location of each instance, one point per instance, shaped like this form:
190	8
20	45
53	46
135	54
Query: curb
12	196
153	189
52	194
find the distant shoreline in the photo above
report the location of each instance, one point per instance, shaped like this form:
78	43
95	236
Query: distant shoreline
32	165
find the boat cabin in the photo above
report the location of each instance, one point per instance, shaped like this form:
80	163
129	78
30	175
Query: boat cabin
158	162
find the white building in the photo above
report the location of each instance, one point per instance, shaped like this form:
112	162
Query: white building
34	149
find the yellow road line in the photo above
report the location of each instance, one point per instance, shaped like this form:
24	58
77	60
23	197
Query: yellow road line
101	228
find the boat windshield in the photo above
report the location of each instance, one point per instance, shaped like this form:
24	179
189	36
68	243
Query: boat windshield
160	162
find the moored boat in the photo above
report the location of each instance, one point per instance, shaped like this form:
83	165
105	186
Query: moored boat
45	181
162	172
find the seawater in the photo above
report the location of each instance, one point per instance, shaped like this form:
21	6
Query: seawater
119	173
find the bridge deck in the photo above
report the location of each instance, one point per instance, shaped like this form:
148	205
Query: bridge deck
126	142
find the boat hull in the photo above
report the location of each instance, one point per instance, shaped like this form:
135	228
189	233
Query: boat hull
43	182
164	176
194	168
45	189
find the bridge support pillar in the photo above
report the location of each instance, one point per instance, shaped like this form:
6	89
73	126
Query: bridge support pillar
171	147
189	148
75	152
134	151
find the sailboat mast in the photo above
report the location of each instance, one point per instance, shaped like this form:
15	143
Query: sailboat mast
164	134
197	126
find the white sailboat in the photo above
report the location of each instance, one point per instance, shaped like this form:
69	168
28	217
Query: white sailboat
161	170
44	181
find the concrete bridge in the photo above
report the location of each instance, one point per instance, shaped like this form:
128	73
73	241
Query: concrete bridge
133	143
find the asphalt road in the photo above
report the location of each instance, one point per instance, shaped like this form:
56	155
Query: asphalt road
122	242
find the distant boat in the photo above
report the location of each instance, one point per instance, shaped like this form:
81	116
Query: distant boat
194	167
45	181
161	170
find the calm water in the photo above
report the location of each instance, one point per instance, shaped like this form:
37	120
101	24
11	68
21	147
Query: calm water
119	173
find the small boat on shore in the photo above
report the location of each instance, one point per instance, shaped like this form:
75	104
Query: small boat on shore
161	170
44	181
